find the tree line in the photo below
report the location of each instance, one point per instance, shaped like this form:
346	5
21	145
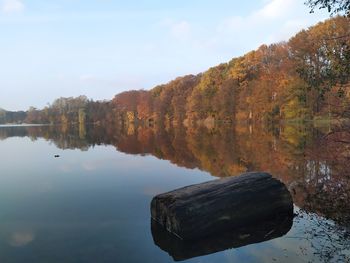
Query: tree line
304	78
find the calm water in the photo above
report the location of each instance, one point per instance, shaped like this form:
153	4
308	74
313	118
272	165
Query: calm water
92	204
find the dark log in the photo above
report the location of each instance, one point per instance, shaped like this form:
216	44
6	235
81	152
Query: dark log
182	249
221	205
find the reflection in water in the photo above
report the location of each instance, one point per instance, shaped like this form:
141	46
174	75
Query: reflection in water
250	234
314	167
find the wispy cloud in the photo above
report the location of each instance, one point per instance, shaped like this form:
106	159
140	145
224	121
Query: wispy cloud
273	21
11	6
277	20
276	9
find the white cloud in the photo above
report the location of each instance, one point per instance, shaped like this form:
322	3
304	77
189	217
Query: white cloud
276	9
11	6
277	20
227	37
272	12
274	21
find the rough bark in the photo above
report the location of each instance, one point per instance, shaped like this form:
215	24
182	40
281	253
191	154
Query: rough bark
217	206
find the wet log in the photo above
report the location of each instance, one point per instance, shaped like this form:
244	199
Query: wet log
242	236
221	205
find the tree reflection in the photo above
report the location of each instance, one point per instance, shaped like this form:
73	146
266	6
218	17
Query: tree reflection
312	162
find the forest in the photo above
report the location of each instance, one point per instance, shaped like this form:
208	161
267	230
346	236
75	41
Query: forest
305	78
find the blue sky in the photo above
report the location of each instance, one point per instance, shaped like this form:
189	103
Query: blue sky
98	48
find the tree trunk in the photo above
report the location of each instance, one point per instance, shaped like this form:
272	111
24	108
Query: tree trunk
217	206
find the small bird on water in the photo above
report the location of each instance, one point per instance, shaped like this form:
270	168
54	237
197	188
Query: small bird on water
56	156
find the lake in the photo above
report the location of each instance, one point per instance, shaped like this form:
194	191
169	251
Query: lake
92	203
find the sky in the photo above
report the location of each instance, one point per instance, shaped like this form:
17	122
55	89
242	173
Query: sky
98	48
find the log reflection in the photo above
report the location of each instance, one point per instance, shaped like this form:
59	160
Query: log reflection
181	250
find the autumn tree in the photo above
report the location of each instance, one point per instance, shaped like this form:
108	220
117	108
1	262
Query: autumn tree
323	56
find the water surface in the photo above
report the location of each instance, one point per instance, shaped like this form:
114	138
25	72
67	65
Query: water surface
92	204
